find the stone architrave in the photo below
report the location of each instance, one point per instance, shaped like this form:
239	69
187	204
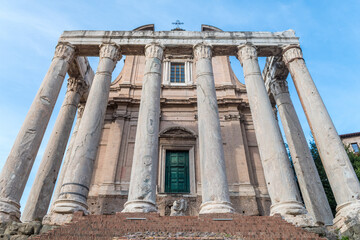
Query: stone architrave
279	177
142	189
75	187
309	181
43	186
17	168
60	179
341	175
215	190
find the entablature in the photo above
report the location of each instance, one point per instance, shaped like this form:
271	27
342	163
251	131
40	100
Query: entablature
180	42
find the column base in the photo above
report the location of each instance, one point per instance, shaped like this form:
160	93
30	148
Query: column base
139	206
63	212
9	210
347	219
216	207
293	212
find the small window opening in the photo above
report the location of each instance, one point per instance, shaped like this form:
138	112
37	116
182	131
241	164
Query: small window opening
355	147
177	73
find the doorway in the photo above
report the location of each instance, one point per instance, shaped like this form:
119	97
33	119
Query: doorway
177	179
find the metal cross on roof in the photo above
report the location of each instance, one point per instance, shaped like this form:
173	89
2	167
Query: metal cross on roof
177	23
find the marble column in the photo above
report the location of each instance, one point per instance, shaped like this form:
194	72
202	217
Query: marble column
66	163
341	175
44	183
16	170
75	187
309	181
279	177
215	190
142	189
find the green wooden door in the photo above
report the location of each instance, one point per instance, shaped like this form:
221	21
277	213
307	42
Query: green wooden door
177	172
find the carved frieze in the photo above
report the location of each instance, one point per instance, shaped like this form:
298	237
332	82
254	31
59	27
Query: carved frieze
202	51
291	53
245	52
110	50
65	51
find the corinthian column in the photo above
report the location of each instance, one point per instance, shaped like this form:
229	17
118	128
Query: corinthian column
341	175
279	177
75	187
66	163
215	190
43	186
309	181
142	189
16	170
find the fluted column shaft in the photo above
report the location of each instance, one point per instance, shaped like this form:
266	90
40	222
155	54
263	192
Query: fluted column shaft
215	190
310	184
75	187
66	163
341	175
16	170
43	186
142	189
278	174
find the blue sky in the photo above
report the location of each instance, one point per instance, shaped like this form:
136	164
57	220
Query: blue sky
329	34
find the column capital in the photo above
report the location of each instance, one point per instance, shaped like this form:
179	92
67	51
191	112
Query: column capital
110	50
65	51
154	50
246	51
278	86
202	50
291	52
77	85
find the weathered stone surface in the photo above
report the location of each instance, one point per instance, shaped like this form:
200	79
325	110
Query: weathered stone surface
215	190
43	186
344	183
142	189
313	193
75	188
278	174
66	163
224	43
179	208
19	237
17	168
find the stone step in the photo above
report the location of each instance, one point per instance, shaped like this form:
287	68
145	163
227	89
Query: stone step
153	226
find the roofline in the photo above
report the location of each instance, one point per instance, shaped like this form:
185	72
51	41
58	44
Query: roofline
349	135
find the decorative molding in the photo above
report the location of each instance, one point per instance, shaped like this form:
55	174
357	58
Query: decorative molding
245	52
77	85
110	50
292	52
116	116
230	117
154	50
202	50
65	51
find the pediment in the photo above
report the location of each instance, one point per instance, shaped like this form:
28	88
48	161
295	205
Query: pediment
177	132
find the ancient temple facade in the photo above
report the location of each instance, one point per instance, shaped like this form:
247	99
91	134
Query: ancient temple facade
177	124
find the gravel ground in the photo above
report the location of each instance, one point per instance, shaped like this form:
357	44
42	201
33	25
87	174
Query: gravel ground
178	235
